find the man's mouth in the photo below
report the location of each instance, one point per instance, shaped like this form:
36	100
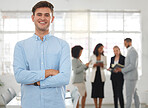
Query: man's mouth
41	22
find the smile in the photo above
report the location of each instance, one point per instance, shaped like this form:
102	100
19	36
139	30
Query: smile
42	22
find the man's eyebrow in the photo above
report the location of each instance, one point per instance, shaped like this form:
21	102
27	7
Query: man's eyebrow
43	13
46	13
39	13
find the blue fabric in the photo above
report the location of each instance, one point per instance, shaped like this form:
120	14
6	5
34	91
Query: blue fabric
31	58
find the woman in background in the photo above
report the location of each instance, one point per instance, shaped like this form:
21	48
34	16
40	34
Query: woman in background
117	78
79	74
98	64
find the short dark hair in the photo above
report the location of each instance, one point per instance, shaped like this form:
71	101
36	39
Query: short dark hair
128	40
95	52
42	4
75	51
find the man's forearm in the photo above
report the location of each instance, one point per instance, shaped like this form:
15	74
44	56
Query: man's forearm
50	72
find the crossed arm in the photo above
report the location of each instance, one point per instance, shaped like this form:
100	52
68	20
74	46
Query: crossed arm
48	72
45	78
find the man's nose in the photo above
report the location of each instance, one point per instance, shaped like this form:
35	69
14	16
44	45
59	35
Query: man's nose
42	17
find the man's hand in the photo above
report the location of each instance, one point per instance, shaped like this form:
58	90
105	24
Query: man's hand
51	72
117	70
38	83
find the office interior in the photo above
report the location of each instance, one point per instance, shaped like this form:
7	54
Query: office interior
79	22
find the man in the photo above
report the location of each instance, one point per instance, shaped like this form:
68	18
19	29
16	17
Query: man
130	74
42	63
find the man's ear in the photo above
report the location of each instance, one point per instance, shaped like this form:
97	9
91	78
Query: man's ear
32	17
52	19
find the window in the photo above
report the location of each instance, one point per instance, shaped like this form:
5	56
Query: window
98	21
85	28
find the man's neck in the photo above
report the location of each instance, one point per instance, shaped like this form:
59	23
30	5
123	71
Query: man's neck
41	34
129	47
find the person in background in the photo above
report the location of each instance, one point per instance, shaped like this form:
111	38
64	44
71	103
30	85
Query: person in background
117	78
79	73
130	73
42	63
98	64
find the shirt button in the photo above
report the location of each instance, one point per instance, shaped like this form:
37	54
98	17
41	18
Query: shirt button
42	62
41	78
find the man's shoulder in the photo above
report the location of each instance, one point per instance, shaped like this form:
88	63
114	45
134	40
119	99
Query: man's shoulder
132	53
60	41
24	41
133	50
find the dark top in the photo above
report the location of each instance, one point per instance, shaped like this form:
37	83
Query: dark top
121	61
97	85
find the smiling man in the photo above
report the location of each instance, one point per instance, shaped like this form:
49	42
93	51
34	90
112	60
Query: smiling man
42	63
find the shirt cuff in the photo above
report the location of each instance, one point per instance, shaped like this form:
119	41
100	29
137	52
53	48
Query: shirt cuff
43	83
42	75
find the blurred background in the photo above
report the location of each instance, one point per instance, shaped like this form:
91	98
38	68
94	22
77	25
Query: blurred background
79	22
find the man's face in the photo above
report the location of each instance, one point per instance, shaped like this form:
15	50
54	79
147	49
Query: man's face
42	18
126	44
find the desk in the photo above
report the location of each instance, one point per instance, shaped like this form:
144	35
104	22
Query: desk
16	101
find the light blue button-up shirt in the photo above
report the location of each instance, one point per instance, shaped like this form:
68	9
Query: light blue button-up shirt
31	58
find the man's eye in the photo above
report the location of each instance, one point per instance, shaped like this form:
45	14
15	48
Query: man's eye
39	14
47	15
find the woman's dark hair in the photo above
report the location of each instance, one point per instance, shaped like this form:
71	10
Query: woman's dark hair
95	52
75	51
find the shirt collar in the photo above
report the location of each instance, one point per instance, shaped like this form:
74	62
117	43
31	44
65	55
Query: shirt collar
46	37
129	48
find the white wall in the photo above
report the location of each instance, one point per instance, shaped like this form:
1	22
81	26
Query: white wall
10	5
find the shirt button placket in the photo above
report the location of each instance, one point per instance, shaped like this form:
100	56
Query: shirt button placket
42	61
42	68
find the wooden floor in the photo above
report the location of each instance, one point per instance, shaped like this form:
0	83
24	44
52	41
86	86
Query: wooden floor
104	106
111	106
